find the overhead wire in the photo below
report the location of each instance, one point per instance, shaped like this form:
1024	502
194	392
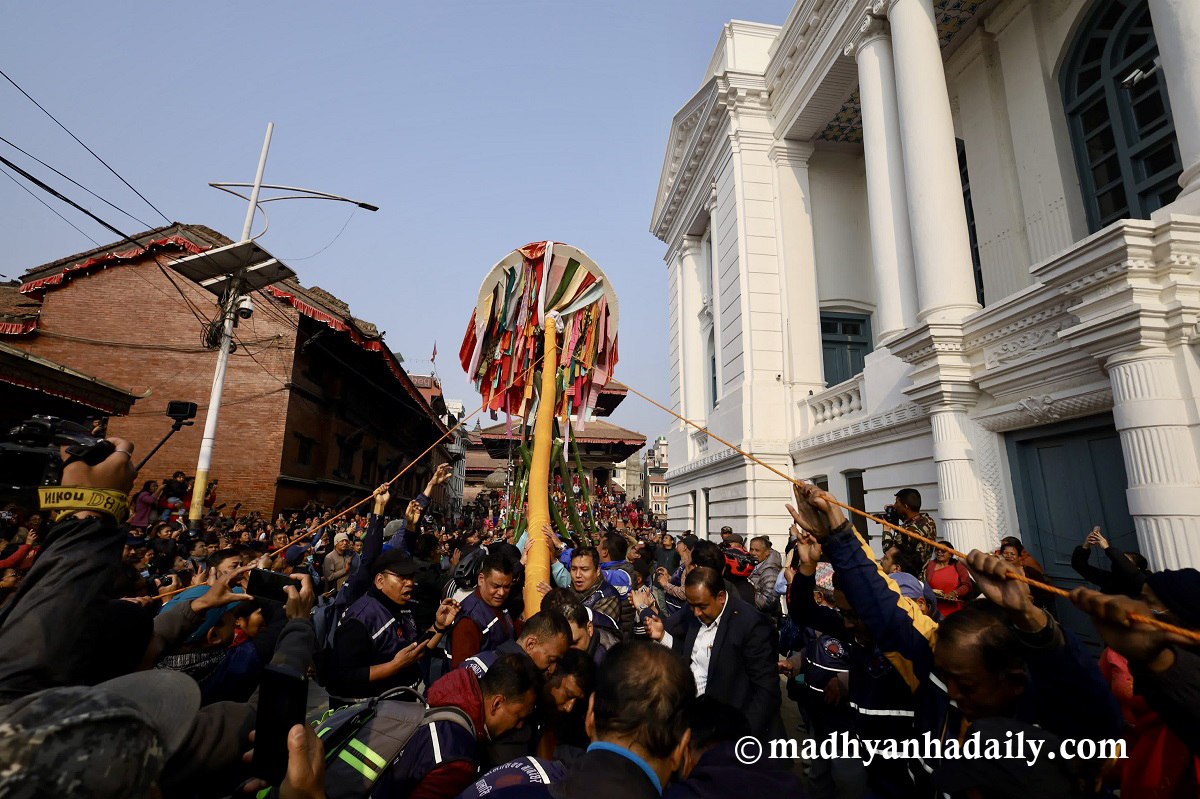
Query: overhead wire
330	244
84	146
77	183
124	236
48	205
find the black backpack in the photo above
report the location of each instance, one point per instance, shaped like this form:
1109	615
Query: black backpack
363	739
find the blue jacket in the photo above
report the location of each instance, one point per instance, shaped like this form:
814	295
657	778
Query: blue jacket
880	701
1066	694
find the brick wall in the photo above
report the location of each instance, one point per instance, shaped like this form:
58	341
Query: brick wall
159	354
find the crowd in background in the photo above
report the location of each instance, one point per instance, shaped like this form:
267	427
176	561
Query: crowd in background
135	653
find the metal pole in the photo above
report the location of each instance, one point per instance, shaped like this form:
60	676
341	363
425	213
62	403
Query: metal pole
262	165
228	311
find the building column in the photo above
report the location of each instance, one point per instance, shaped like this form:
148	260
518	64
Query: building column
690	289
1160	456
937	215
1177	30
887	200
960	504
798	272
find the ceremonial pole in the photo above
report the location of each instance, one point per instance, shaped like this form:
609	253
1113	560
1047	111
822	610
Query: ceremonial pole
537	562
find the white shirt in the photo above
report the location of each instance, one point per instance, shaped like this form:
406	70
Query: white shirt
706	638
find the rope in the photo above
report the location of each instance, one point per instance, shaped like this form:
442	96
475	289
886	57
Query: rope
369	498
1192	634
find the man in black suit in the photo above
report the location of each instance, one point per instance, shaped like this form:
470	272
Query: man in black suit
729	646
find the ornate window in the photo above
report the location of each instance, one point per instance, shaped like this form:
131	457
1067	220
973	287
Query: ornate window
1119	115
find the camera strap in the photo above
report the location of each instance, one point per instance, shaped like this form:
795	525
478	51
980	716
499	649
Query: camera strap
73	499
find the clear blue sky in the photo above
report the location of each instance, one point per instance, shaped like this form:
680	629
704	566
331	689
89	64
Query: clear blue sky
476	127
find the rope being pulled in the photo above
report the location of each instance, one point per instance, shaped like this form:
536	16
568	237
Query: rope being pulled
1190	634
369	498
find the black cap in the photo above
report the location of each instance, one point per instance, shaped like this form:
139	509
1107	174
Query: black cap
396	562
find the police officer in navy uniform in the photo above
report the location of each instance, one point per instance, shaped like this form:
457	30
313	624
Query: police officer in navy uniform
545	638
378	645
483	624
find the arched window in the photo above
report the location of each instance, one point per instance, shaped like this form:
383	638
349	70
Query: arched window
1119	115
713	385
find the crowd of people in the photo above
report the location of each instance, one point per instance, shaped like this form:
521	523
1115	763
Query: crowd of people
139	657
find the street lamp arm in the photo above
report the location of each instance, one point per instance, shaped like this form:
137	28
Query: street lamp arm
258	205
308	194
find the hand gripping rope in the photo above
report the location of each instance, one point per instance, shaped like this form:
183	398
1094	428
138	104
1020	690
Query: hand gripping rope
1186	633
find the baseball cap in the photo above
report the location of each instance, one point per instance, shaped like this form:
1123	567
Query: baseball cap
396	562
294	555
909	586
734	538
726	529
392	528
109	740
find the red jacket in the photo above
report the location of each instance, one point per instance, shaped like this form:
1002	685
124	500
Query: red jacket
460	689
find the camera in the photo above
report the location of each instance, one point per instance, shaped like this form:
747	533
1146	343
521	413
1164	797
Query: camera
30	456
181	411
890	515
244	307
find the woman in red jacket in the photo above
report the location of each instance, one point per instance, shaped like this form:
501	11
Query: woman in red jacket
949	579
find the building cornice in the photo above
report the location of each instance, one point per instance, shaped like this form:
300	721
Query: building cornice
808	75
692	133
791	153
766	450
1135	285
1046	408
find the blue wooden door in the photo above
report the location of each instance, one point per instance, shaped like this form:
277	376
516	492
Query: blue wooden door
1069	478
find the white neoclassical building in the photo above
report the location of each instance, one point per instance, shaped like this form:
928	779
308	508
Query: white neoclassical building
949	245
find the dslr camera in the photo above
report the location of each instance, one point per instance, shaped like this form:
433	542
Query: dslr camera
30	456
890	515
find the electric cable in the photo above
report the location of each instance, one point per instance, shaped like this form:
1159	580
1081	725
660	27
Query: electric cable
76	182
84	146
48	205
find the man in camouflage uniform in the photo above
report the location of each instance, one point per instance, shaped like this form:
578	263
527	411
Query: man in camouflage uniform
908	508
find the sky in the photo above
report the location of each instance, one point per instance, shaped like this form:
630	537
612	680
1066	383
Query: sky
476	127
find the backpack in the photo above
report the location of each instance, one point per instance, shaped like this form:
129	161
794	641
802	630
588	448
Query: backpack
362	739
465	576
325	617
738	563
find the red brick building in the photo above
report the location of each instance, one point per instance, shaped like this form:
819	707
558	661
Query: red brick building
315	404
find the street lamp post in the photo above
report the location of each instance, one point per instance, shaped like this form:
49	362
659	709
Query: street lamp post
229	305
229	271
